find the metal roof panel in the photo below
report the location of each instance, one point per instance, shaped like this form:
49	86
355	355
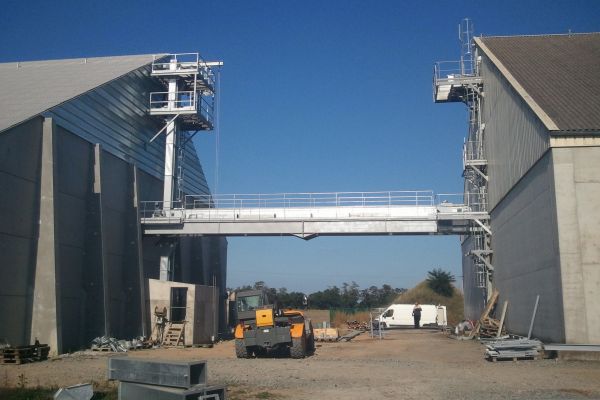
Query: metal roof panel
561	73
30	88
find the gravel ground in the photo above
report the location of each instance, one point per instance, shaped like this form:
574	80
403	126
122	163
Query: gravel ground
407	364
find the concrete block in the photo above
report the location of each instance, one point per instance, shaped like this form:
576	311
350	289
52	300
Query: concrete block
164	373
136	391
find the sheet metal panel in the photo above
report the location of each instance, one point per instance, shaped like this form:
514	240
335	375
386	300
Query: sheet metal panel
30	88
526	254
115	115
560	73
514	136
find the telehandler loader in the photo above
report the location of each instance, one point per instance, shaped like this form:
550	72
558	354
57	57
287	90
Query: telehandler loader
263	329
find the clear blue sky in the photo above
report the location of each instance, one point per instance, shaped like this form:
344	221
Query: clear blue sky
315	96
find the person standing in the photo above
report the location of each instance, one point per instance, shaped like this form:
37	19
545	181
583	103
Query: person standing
417	315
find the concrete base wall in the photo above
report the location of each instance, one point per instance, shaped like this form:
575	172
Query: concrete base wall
201	312
526	257
577	177
20	156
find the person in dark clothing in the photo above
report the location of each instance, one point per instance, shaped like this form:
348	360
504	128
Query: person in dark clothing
417	315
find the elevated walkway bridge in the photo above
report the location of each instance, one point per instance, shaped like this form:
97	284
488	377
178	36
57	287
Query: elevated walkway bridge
307	215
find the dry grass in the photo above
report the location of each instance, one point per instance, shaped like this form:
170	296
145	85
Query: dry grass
424	295
340	318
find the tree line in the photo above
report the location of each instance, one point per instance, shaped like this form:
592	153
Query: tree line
348	295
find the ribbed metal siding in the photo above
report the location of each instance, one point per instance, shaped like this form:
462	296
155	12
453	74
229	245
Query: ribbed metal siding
514	137
526	254
115	115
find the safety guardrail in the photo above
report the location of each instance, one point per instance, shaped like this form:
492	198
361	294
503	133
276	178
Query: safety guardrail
173	101
451	202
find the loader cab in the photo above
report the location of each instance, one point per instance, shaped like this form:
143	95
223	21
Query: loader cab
246	302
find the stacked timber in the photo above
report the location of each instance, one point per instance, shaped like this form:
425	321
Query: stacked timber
24	354
326	334
488	327
357	325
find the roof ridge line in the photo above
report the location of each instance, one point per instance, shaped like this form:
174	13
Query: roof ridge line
76	60
540	35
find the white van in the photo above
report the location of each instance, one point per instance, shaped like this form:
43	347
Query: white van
398	315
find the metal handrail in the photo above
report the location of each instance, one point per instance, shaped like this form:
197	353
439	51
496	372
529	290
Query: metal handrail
451	70
257	204
190	63
183	100
185	62
473	150
310	200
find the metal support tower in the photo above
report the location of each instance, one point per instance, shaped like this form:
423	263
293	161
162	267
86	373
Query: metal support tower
187	105
460	81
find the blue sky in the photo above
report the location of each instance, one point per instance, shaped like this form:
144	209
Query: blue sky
315	96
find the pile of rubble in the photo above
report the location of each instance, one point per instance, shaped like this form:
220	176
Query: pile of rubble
357	325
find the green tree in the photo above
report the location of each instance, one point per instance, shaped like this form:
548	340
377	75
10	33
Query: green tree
441	282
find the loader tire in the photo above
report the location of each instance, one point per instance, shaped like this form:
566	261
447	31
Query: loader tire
310	346
298	349
240	349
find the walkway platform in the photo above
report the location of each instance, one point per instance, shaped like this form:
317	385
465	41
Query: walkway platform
307	215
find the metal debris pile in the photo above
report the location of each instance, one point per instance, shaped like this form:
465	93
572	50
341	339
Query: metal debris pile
105	343
513	349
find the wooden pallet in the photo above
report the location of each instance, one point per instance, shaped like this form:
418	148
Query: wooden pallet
514	358
24	354
175	334
103	348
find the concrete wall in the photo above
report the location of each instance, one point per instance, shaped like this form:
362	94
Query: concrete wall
514	137
80	272
20	155
526	254
577	177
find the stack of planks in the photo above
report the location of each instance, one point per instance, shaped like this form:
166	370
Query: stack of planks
24	354
488	327
326	334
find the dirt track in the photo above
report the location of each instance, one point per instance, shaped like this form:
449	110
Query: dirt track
408	364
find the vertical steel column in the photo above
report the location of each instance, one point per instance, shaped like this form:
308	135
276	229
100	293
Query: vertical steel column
170	143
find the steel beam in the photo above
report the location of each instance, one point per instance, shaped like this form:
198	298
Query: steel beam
571	347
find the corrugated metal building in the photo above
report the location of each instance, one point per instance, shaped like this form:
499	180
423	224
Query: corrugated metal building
75	162
541	135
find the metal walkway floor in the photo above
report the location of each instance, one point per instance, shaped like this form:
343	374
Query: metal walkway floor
307	215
